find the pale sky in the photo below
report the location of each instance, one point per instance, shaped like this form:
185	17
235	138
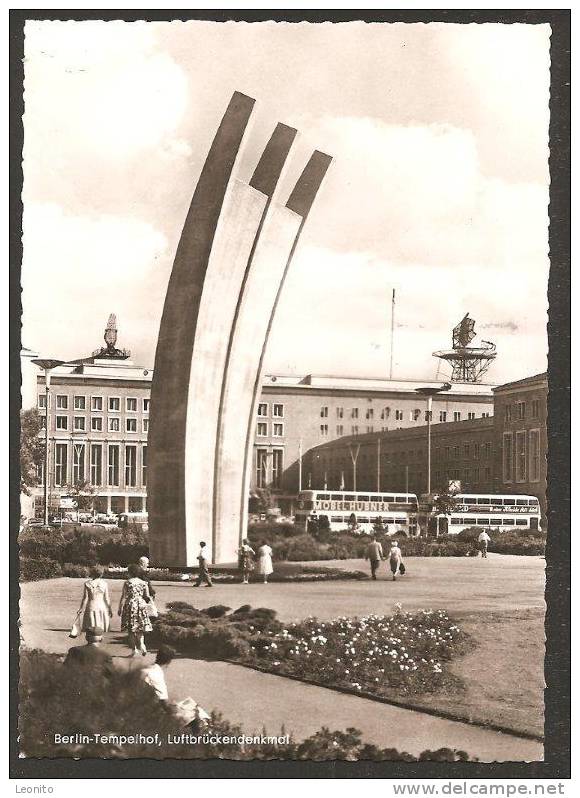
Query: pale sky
438	188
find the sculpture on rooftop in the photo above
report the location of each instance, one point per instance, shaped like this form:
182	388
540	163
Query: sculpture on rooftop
110	337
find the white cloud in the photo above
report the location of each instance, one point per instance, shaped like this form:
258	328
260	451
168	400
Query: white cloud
336	310
100	90
76	270
418	194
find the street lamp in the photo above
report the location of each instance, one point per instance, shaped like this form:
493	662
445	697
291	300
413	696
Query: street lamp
430	392
46	364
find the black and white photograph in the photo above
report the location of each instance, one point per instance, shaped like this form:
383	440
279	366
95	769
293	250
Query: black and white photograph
283	336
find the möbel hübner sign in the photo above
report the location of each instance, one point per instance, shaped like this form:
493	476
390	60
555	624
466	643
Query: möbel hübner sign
361	507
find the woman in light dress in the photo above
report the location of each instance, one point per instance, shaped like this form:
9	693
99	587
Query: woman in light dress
246	556
133	610
95	605
395	559
265	567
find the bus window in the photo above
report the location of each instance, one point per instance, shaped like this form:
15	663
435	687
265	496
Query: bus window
521	522
483	522
508	522
456	521
337	519
401	499
323	497
337	497
484	500
496	501
401	521
470	521
387	499
534	524
362	498
508	501
522	502
533	502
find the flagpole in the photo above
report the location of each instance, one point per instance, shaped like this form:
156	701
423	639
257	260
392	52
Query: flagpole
392	333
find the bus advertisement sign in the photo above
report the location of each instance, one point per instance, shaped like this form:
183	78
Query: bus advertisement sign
486	509
360	507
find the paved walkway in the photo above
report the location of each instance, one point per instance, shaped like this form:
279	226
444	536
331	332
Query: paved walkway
256	700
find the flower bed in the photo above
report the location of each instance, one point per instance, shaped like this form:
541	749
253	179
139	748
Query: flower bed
406	652
403	654
43	568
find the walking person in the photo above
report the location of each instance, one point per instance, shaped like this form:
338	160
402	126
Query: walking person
374	555
95	606
246	556
203	575
395	559
483	539
143	563
265	567
133	610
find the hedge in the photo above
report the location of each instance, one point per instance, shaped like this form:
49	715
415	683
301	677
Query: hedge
54	698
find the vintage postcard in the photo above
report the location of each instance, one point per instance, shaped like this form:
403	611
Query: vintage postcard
284	338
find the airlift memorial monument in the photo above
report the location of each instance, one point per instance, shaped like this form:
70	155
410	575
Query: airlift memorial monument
235	249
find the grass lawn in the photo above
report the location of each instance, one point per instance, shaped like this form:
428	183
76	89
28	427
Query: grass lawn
503	675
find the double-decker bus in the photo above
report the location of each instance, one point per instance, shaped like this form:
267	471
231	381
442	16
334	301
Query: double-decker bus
502	512
360	511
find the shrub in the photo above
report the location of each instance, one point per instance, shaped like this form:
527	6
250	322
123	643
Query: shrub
73	570
31	570
215	632
39	543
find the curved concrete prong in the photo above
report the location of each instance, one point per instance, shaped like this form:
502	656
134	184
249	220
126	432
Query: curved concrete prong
208	277
173	358
270	263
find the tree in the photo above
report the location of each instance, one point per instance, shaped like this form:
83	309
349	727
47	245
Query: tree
31	449
261	501
83	495
445	503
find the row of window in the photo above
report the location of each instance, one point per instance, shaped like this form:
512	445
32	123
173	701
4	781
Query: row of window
277	410
79	424
467	475
277	429
414	415
269	466
97	403
493	522
517	412
398	476
99	472
467	450
521	456
475	450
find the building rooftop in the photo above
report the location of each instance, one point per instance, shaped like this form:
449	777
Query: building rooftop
419	431
536	379
372	384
